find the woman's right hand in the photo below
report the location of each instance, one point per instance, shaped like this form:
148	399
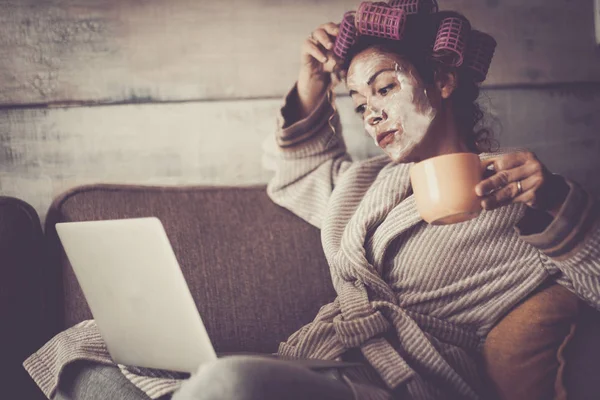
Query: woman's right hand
317	64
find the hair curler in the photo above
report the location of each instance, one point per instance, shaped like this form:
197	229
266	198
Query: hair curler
479	54
451	40
415	6
381	20
346	36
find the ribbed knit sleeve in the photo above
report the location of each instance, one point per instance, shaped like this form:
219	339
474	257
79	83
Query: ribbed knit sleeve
571	243
82	341
310	158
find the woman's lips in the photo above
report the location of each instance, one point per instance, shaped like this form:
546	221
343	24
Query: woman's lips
385	138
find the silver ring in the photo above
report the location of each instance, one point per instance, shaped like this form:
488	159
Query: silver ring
519	188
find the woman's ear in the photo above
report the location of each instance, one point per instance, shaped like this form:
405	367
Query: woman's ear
446	82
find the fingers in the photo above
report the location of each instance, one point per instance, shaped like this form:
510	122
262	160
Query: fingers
323	38
317	51
312	49
507	161
504	176
510	193
320	41
502	188
528	197
331	64
331	28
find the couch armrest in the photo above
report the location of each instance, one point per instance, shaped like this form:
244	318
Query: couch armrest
23	327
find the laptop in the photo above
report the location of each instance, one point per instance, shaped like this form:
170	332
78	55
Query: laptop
138	296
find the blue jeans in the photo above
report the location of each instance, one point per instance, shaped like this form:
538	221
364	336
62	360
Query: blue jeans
230	378
252	378
84	380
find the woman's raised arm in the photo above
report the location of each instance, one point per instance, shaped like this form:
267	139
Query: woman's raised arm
310	152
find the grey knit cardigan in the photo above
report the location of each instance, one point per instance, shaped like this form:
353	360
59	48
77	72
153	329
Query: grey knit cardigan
415	301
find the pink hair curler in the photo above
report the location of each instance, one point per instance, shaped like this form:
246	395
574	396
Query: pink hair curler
451	39
346	37
415	6
480	52
381	20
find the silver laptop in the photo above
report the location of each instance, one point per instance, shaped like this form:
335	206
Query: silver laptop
138	295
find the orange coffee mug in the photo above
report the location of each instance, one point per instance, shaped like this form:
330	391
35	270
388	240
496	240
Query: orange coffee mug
444	188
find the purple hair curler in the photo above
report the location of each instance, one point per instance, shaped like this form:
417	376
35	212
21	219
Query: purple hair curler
451	41
346	37
381	20
415	6
479	54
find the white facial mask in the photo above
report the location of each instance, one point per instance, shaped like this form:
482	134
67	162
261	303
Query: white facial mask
411	109
406	108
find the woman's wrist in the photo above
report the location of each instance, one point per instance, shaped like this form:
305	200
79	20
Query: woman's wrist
310	91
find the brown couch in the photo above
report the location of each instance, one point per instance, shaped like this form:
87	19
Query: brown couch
244	259
256	271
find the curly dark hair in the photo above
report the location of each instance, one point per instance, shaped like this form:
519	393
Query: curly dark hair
417	48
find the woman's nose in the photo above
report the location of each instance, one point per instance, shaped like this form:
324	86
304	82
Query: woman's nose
376	117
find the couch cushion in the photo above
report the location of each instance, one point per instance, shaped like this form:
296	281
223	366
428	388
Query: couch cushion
547	347
256	271
23	329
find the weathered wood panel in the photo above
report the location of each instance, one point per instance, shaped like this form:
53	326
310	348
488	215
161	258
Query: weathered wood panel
57	51
43	152
562	126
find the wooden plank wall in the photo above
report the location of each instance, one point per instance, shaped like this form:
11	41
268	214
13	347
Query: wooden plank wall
185	91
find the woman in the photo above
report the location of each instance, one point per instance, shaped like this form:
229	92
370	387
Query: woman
415	301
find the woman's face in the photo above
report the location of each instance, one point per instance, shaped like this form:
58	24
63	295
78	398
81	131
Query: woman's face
392	100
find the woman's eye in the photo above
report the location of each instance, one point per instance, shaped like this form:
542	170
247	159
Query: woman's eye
360	109
385	90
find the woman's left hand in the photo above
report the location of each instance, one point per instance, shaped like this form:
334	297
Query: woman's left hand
521	178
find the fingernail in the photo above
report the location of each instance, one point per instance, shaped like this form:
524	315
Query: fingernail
329	45
324	59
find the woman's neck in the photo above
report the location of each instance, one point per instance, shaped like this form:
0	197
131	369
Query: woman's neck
443	137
